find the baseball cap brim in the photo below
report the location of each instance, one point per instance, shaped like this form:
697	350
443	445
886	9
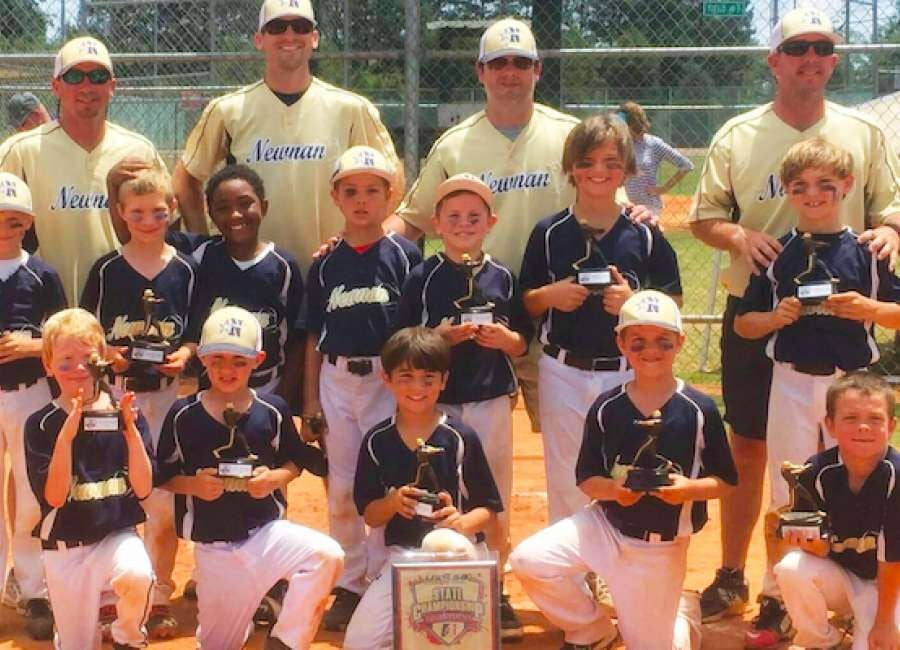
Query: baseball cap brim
511	51
464	185
656	323
225	348
380	173
12	207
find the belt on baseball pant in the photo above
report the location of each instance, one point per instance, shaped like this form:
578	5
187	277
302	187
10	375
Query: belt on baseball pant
637	532
359	366
596	364
12	387
261	380
816	369
142	384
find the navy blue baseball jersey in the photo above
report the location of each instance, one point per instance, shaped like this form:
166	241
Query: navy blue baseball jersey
270	287
352	297
819	337
864	526
185	242
27	298
189	437
693	438
114	291
386	462
642	255
429	295
101	500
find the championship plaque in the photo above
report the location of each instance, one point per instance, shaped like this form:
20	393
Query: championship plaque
235	461
816	282
801	516
473	307
592	270
649	470
426	480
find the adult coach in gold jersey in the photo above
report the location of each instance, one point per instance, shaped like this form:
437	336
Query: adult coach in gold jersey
740	207
65	163
290	127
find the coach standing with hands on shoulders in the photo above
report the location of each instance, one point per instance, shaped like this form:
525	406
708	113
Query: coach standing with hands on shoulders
740	207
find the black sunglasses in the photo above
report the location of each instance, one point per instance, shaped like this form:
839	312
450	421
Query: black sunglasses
799	48
279	26
97	76
519	62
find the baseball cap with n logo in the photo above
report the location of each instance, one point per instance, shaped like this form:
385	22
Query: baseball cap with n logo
14	194
84	49
272	9
362	160
507	37
650	307
800	22
231	330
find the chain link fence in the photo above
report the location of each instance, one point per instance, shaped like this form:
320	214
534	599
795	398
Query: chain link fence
692	64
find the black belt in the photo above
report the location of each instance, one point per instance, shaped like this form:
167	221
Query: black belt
817	369
261	380
637	532
11	387
62	544
360	367
602	364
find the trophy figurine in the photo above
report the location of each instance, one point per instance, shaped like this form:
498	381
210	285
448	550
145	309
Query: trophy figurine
596	277
101	420
426	480
150	346
816	282
801	515
235	461
473	308
649	470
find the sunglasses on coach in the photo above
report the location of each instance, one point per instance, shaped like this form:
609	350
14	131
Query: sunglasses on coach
97	76
799	48
519	62
279	26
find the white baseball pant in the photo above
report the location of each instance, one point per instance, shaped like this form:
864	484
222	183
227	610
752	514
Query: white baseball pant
15	407
796	414
566	394
352	405
76	578
811	586
232	577
644	580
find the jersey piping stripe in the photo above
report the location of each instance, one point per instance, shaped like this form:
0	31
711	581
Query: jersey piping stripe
460	454
505	271
770	273
881	549
369	446
279	420
618	395
873	294
187	522
101	290
548	322
283	326
425	285
190	291
685	522
31	272
391	237
50	519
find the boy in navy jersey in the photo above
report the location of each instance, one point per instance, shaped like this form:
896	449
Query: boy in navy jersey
243	544
352	295
481	381
856	568
89	485
580	358
240	269
30	291
635	540
114	293
415	364
815	341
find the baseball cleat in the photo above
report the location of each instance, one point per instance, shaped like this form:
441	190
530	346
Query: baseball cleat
270	606
510	625
338	615
39	619
770	627
190	590
161	624
105	619
602	644
726	596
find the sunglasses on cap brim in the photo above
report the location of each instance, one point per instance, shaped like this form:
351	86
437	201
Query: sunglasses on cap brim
519	62
799	48
279	26
97	76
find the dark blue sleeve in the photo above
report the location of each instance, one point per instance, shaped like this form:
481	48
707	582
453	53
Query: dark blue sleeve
592	455
409	310
889	539
200	304
38	452
757	296
662	265
295	299
185	242
90	294
54	294
414	255
168	462
30	241
313	312
476	474
367	484
519	320
534	271
716	458
888	283
291	447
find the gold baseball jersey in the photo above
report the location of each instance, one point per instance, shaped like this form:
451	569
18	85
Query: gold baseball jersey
740	178
524	174
68	186
293	149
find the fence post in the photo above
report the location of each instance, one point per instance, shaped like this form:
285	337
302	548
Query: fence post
412	50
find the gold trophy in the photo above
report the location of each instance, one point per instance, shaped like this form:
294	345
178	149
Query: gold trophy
816	282
101	420
649	471
473	308
801	515
596	277
235	460
150	346
426	480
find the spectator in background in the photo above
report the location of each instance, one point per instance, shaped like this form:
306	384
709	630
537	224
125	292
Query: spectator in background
24	111
649	152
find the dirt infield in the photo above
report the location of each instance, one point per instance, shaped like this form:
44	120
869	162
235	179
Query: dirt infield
307	506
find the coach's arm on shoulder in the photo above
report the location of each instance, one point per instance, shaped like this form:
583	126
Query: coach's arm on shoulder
759	248
395	223
189	192
884	240
885	634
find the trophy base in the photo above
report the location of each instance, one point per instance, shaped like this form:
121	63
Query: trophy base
643	479
427	504
148	351
238	468
810	525
815	293
101	421
595	280
477	315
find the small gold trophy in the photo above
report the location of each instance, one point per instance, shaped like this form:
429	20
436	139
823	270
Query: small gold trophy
473	308
649	470
101	420
235	460
597	276
801	515
426	480
150	346
816	282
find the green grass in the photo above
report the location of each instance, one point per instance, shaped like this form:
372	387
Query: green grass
687	185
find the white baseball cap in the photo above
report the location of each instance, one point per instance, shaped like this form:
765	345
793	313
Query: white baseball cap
650	307
802	21
231	330
362	160
84	49
272	9
14	194
465	182
507	37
